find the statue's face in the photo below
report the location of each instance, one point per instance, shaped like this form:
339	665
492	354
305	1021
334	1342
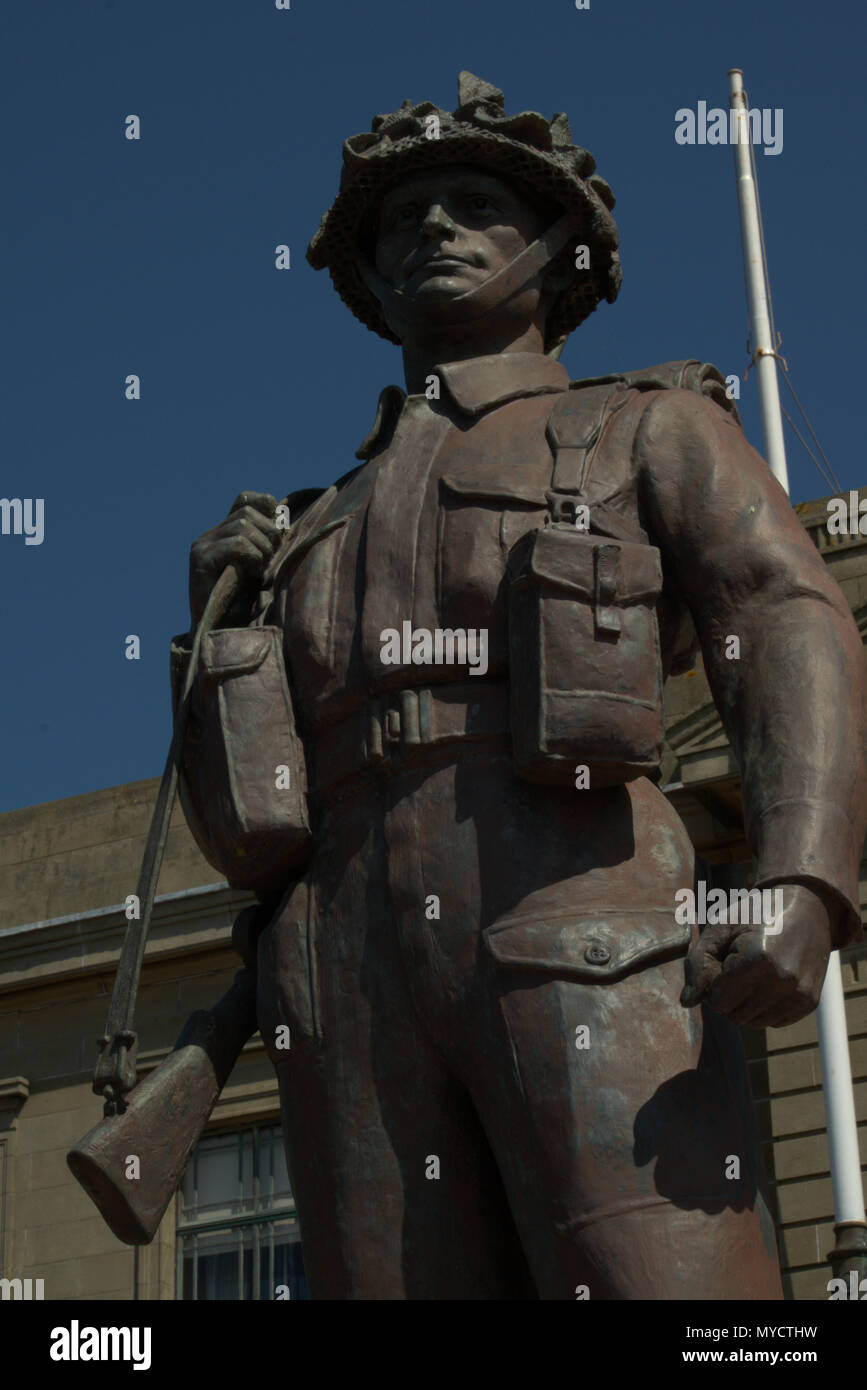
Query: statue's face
444	231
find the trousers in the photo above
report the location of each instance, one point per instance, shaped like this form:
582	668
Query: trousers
464	1122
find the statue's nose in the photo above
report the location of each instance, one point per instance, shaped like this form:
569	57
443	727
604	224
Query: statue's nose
437	221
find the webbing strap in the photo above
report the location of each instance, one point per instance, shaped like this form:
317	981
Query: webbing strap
574	426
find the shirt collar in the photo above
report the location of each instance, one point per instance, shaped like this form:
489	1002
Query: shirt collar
479	383
475	385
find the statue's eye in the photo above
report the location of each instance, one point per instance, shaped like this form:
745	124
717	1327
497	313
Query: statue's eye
402	216
480	202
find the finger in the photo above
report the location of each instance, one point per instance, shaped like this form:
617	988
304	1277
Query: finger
255	519
701	969
248	531
703	965
240	552
262	502
741	975
739	979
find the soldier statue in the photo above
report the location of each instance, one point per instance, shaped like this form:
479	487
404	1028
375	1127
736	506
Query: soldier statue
427	735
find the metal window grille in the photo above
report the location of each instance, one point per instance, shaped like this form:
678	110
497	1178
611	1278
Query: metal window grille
237	1228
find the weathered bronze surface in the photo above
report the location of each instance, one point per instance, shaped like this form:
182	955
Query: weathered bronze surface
162	1118
512	1071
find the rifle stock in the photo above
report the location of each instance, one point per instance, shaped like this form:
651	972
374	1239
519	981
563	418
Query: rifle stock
163	1117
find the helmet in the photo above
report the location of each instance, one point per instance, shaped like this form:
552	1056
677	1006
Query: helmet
524	147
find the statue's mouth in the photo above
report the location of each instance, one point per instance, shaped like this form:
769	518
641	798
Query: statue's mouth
440	263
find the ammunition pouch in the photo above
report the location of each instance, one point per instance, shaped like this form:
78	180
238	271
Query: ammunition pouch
584	657
244	791
585	662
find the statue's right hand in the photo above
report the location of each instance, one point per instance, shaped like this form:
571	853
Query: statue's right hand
247	539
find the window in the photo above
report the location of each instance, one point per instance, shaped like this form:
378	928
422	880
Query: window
237	1229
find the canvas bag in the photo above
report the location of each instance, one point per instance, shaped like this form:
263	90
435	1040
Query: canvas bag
247	728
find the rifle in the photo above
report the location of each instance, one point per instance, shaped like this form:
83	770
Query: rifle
159	1120
163	1118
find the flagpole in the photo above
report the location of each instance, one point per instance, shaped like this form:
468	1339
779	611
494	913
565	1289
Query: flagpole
850	1229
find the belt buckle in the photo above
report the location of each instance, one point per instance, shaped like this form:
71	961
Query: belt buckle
563	509
396	722
392	733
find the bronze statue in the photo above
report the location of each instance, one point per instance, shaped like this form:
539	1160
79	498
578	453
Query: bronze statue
428	736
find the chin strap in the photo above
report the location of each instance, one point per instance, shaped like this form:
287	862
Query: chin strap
485	297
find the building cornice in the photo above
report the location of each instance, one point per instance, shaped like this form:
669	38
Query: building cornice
184	923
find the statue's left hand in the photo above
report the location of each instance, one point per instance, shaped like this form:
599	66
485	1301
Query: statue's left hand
760	978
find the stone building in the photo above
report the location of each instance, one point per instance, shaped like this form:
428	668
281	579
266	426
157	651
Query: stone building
65	870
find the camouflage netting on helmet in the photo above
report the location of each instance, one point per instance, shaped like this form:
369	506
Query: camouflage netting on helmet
524	147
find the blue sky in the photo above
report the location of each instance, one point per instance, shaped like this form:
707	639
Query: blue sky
156	257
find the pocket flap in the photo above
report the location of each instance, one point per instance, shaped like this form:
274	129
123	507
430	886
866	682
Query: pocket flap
594	946
571	560
305	543
494	486
235	651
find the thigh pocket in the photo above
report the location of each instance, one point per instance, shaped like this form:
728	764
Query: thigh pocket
288	995
591	946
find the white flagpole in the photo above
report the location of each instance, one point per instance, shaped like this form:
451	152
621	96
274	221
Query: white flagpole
850	1229
751	241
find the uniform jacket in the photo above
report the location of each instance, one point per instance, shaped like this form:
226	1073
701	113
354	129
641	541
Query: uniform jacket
421	531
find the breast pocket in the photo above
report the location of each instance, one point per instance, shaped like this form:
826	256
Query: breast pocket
479	522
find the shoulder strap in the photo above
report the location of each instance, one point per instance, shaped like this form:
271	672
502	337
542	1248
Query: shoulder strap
574	429
574	426
580	414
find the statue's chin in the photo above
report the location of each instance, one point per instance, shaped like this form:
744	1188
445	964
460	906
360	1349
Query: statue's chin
426	308
435	305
